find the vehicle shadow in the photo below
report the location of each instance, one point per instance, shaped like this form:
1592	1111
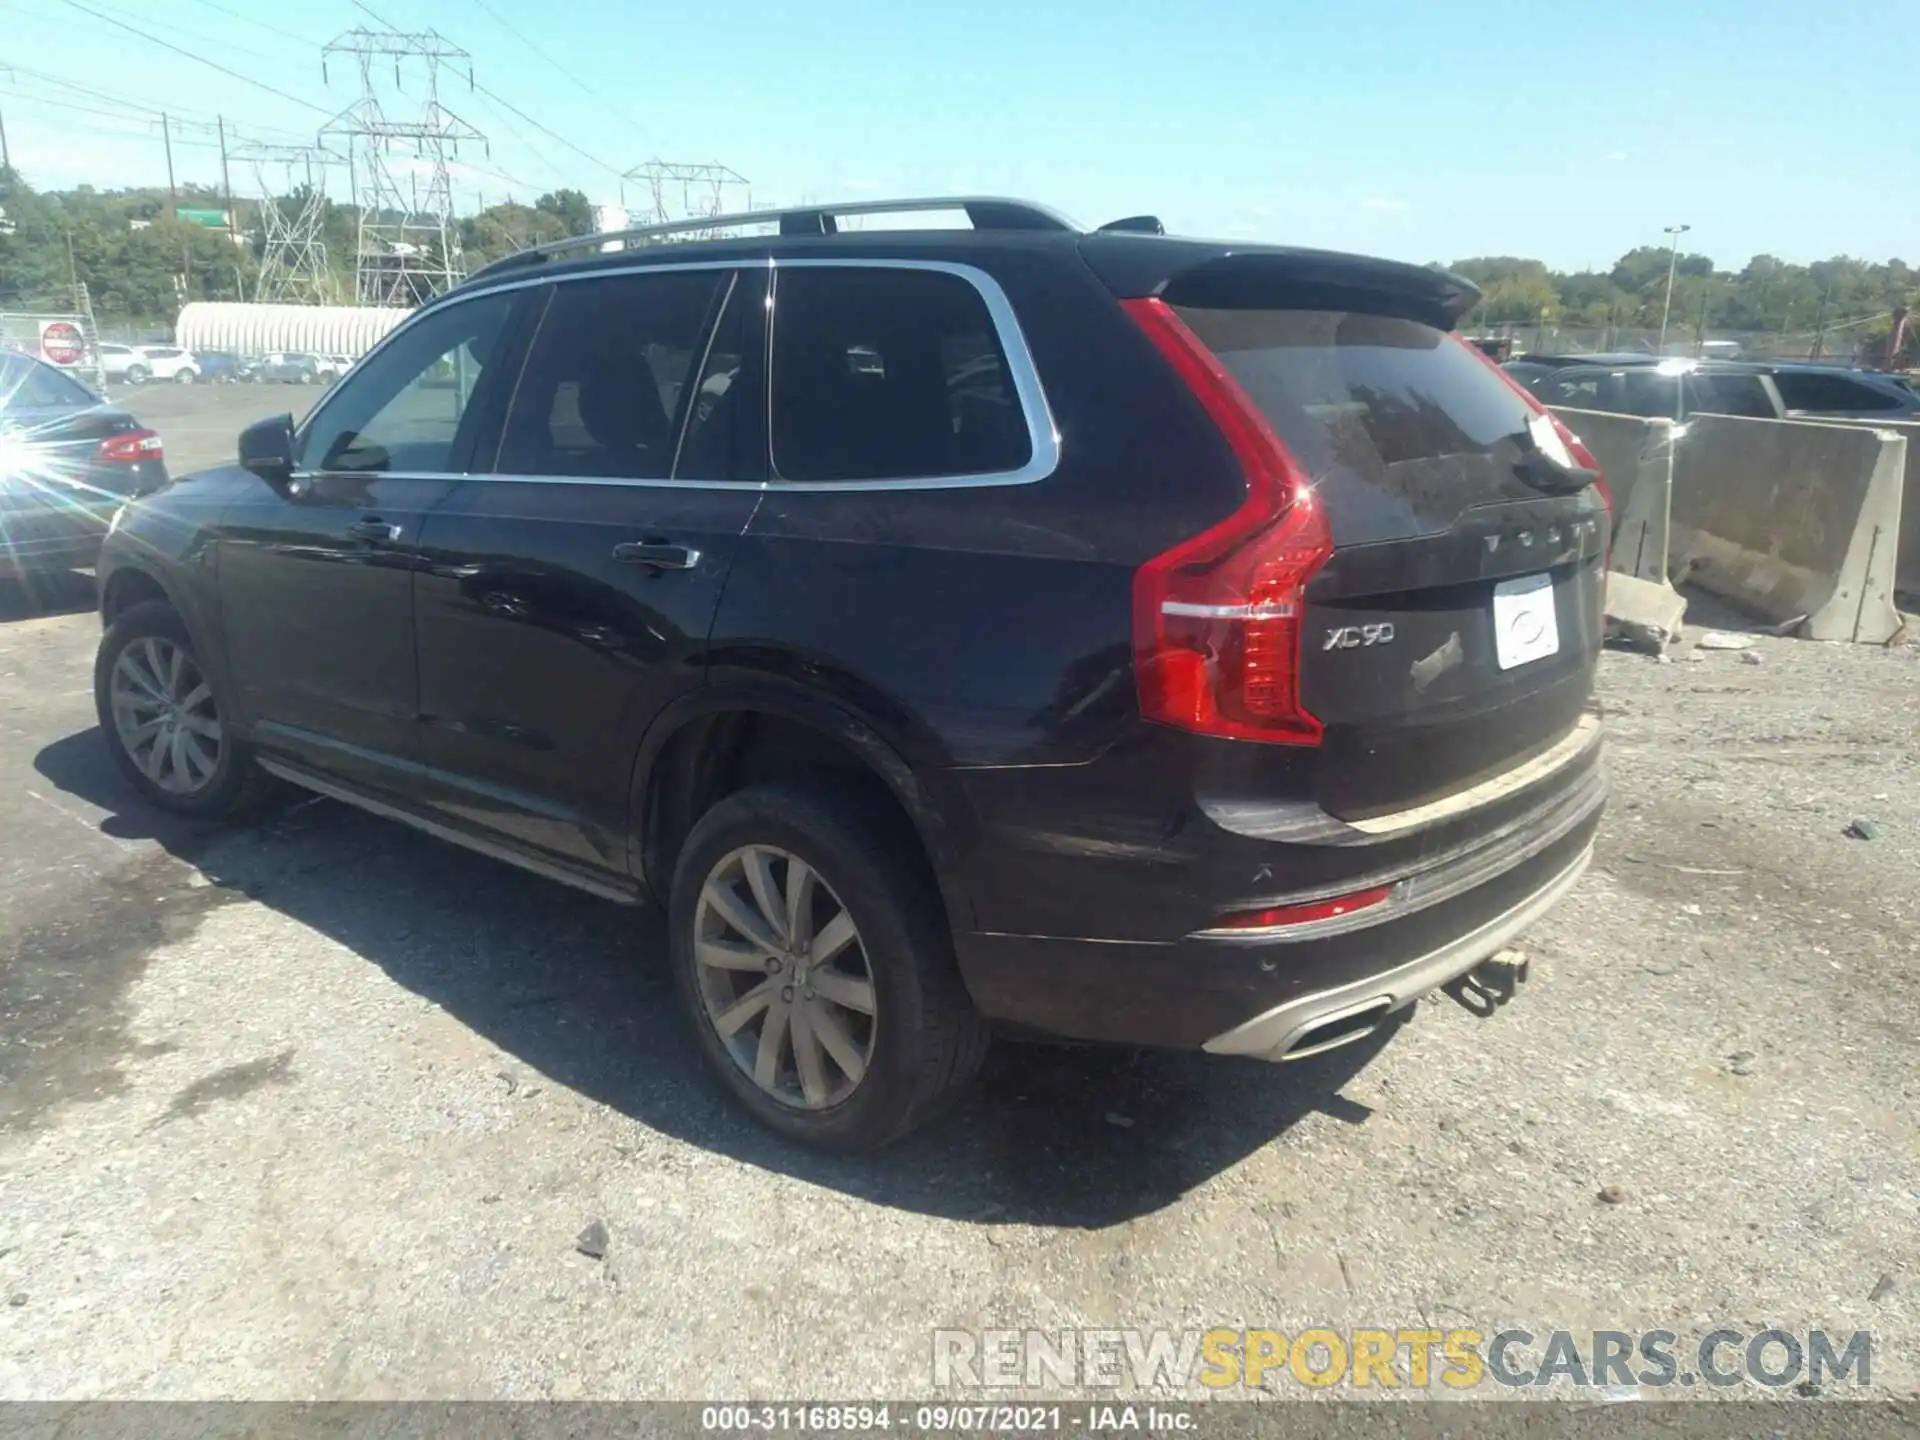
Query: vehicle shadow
577	990
39	594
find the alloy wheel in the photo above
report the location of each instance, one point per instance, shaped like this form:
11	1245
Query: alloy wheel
164	715
785	977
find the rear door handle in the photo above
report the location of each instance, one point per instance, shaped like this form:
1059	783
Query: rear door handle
656	556
373	528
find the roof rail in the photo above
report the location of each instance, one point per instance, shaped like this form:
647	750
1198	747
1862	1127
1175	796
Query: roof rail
985	212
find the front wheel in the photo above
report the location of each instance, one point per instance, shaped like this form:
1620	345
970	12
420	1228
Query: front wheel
185	377
163	721
816	965
137	374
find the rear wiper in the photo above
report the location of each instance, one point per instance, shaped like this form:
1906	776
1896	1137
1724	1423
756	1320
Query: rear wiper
1545	472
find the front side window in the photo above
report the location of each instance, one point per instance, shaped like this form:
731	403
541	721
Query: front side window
885	374
610	374
401	411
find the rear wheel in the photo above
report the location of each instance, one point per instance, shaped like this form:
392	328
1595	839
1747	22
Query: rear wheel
185	377
817	968
163	720
138	374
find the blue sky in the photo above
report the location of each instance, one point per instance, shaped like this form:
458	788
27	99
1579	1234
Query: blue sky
1417	130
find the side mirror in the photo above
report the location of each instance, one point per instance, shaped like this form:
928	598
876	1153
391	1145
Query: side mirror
266	448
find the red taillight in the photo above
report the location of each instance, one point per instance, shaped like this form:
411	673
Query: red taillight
130	448
1302	914
1217	620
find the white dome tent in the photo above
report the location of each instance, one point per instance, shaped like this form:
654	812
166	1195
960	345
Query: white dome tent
246	329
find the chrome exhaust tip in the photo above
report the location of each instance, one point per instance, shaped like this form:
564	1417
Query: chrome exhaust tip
1342	1027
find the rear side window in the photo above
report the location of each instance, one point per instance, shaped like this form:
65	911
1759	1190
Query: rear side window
884	374
1400	425
1803	391
609	371
1730	395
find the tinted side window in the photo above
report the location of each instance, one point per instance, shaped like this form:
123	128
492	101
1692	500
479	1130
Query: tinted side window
1802	391
883	374
1580	389
607	375
1730	395
402	410
1649	393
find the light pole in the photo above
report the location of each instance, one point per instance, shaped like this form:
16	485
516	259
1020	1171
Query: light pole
1673	254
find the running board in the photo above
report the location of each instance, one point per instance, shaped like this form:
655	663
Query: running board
605	888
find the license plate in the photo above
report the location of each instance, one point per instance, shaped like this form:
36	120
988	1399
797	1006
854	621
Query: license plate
1524	625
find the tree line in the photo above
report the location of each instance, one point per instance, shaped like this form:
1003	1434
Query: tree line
140	263
1844	297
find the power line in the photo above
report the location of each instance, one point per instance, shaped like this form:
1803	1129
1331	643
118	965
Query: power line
546	161
113	97
271	29
507	104
514	31
193	37
210	64
552	134
119	108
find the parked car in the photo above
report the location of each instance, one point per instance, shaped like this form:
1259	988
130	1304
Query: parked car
68	461
170	362
222	367
1140	640
289	367
124	363
1676	389
329	368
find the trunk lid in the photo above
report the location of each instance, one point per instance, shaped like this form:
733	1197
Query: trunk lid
1454	632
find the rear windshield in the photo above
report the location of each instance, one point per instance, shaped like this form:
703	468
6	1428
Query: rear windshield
1399	424
27	385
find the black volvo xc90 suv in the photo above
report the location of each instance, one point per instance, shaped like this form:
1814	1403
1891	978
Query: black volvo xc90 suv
1100	634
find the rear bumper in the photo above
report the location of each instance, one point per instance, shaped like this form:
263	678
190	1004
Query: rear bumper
1293	1030
1262	993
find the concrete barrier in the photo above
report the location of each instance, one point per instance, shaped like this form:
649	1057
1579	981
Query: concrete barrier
1788	518
1637	458
1906	575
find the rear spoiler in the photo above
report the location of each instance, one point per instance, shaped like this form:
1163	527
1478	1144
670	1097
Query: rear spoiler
1209	273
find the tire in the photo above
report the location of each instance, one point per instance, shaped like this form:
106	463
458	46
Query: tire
918	1041
184	377
233	784
138	374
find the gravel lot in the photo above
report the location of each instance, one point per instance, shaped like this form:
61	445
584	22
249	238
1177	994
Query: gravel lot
317	1109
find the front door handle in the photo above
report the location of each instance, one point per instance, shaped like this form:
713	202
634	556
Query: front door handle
657	556
373	528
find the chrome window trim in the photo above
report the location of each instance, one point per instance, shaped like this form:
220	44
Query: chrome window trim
1042	433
